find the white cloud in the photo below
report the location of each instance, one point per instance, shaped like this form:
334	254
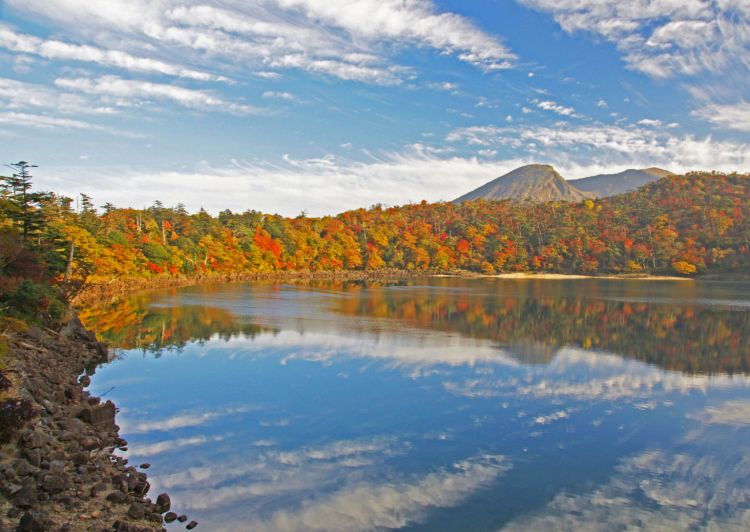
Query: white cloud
548	105
443	86
650	122
127	91
732	116
18	95
394	504
664	38
54	49
151	449
734	413
693	487
179	421
416	21
344	39
320	186
608	378
332	491
581	150
275	95
45	122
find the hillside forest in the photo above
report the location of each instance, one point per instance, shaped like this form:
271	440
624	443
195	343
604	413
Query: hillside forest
686	225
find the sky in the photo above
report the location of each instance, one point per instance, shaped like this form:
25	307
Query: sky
320	106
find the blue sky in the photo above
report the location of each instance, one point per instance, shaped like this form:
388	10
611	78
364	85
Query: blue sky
326	105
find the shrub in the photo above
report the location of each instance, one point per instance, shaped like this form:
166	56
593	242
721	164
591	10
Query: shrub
34	303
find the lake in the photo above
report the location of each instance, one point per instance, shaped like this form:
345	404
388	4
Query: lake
439	404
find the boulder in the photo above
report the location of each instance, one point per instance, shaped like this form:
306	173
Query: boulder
136	511
35	522
53	483
99	415
163	503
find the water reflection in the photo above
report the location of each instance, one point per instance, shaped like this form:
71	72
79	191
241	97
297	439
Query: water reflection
675	326
471	405
136	323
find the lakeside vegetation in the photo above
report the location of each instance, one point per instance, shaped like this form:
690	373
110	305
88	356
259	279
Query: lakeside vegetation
690	224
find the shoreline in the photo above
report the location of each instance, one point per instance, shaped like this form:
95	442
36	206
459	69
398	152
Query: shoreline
564	276
58	469
99	292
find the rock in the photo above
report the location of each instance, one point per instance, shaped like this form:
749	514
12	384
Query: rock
34	456
56	456
89	443
163	503
57	466
35	522
50	407
85	381
103	349
145	466
191	525
169	517
75	330
81	458
25	497
53	483
141	488
98	488
136	511
99	415
35	440
117	497
182	518
35	333
66	435
23	468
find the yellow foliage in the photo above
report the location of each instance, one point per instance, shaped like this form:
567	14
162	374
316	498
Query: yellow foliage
633	266
12	325
684	268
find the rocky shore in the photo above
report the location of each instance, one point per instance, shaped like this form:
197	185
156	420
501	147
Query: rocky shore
58	470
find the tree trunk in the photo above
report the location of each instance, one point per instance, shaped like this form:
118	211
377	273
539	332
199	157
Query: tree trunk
69	266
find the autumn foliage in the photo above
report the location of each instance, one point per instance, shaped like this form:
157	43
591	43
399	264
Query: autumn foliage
683	225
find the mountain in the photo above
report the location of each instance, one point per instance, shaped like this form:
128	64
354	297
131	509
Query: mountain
605	185
535	182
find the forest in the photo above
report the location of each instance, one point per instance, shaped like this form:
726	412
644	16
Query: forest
686	225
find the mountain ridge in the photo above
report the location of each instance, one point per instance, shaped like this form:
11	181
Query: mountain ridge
533	182
604	185
541	183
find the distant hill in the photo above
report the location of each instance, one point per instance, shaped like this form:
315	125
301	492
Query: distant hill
534	182
605	185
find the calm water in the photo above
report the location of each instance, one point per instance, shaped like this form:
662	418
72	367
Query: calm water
439	405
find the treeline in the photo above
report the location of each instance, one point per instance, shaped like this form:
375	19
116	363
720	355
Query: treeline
687	225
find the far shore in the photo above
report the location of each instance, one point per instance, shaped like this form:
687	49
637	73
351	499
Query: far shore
98	292
626	277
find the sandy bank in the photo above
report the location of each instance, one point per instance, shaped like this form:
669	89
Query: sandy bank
628	277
